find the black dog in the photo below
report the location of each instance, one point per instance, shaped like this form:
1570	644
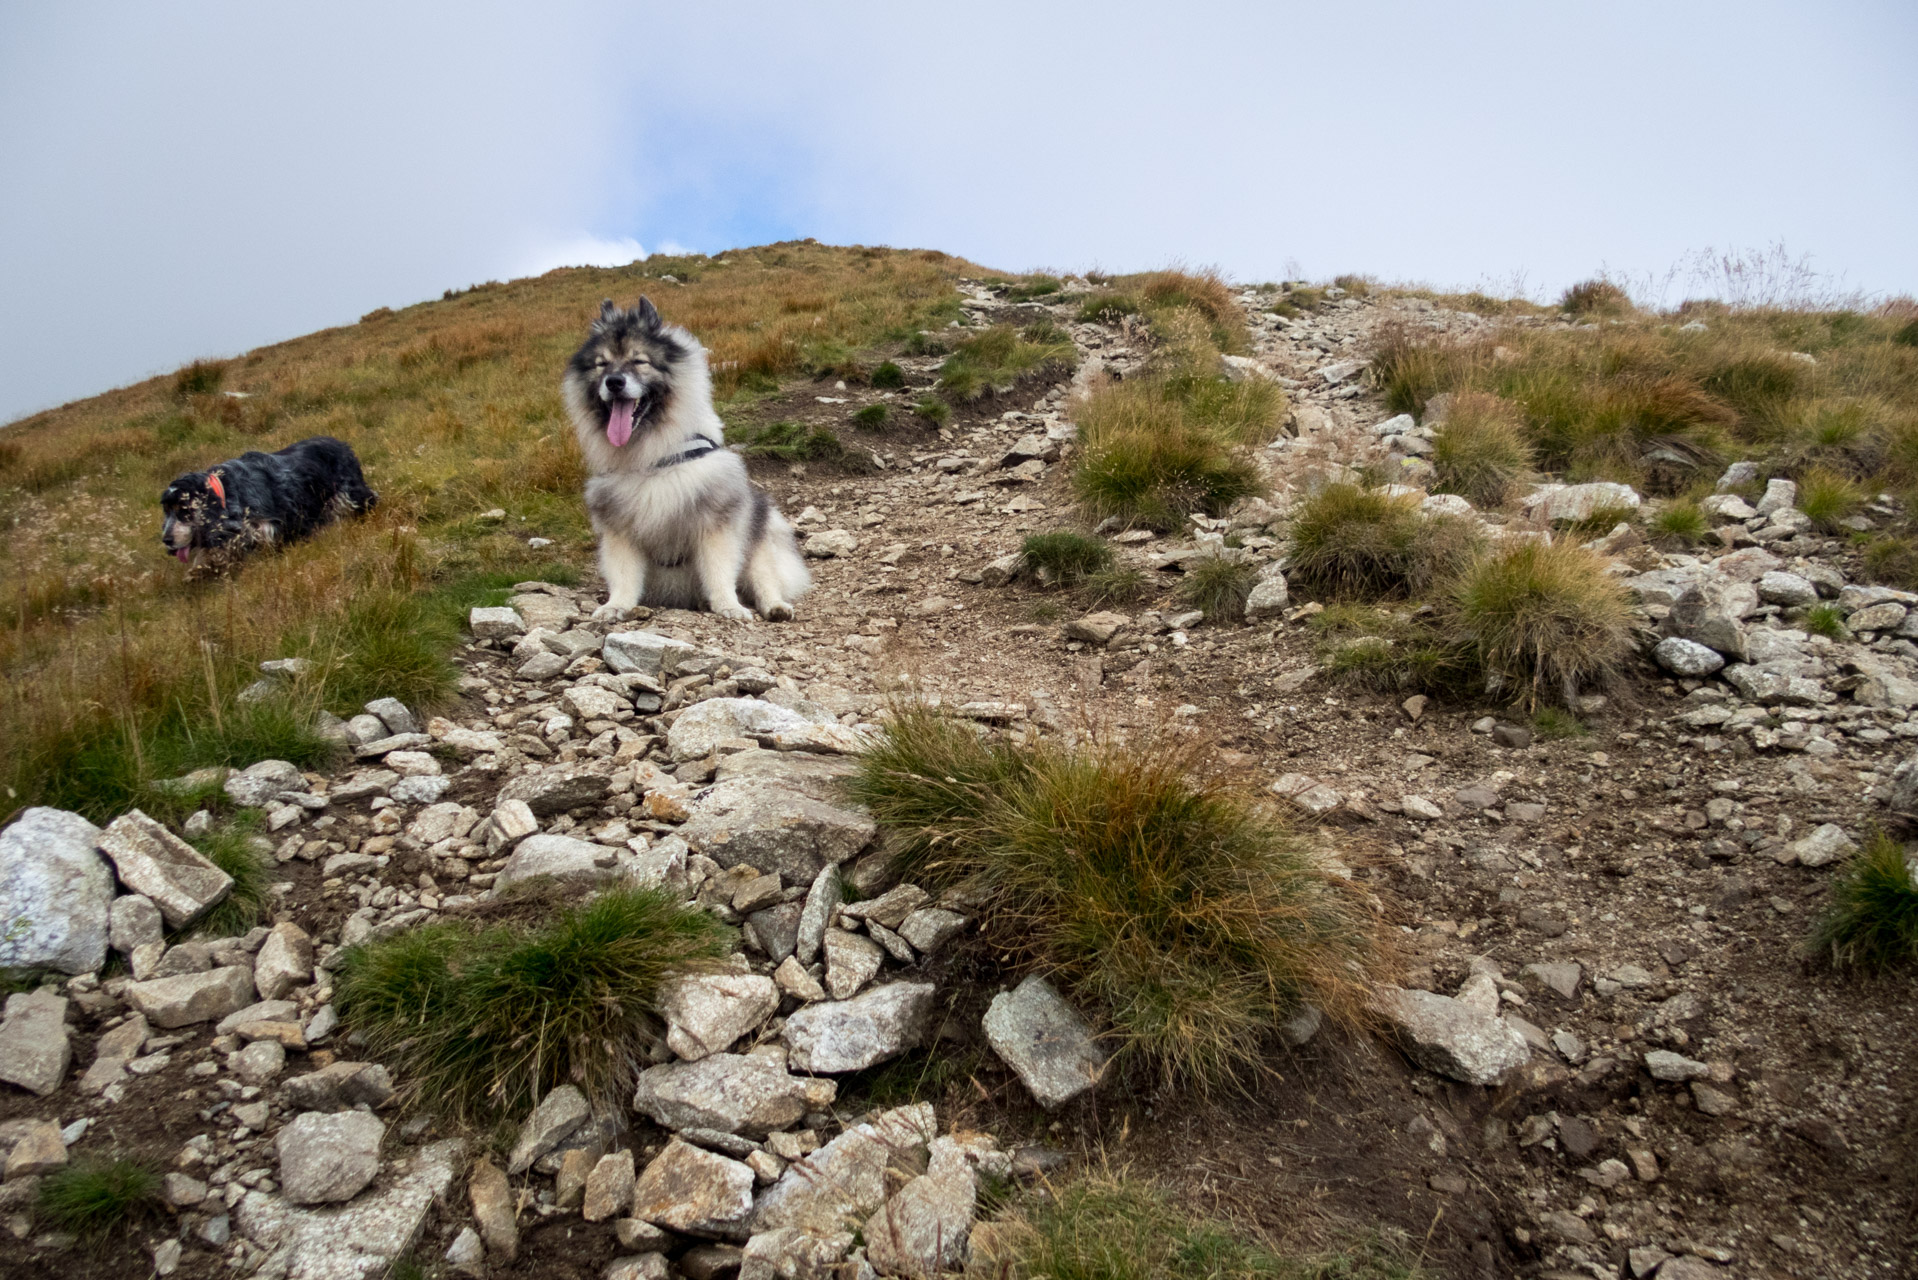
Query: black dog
261	499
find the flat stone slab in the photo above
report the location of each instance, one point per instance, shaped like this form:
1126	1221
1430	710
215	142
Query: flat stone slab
154	862
1045	1041
730	1092
357	1241
846	1180
34	1049
193	997
834	1036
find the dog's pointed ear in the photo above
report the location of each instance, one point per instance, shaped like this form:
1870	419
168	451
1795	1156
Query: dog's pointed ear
608	314
646	313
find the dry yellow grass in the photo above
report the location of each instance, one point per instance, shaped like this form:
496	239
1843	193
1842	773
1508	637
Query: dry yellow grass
453	406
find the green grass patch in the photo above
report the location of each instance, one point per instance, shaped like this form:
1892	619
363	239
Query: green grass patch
1118	584
1065	558
1892	559
1171	905
1109	308
796	442
1828	497
888	376
1870	921
1350	542
229	847
1555	723
1102	1226
933	410
1680	522
872	417
1826	620
95	1199
1218	587
998	359
483	1019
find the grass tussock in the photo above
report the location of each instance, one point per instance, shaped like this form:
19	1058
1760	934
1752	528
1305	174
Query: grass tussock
1107	1226
1870	922
1544	620
1218	587
1679	523
997	360
1480	451
1828	498
1893	560
1170	905
1350	542
94	1199
798	442
231	847
1826	620
1065	558
483	1019
1595	298
453	407
1642	400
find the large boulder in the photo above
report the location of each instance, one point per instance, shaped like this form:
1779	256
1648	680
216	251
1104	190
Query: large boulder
259	784
1045	1041
835	1036
733	1093
775	830
154	862
56	893
1578	502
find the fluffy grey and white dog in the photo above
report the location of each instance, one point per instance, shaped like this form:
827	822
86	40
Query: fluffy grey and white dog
679	523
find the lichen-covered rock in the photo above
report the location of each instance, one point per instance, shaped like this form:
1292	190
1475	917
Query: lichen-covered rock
325	1159
774	830
157	864
695	1191
847	1179
1045	1041
1453	1038
188	998
835	1036
56	893
729	1092
706	1013
34	1049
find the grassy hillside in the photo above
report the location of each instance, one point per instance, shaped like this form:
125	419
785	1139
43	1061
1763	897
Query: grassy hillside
118	671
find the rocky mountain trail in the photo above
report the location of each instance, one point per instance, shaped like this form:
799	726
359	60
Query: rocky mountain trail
1605	1051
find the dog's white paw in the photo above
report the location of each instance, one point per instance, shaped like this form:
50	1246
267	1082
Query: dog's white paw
779	612
734	613
612	613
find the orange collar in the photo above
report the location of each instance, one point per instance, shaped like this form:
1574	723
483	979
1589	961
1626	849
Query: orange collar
219	490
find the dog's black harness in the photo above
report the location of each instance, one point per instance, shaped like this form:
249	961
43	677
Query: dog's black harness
699	450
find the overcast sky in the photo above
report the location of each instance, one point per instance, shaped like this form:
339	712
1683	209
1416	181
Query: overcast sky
195	179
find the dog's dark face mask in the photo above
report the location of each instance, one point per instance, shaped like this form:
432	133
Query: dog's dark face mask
195	515
626	366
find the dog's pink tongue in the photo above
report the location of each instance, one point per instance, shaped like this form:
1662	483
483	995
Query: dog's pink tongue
182	554
619	423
